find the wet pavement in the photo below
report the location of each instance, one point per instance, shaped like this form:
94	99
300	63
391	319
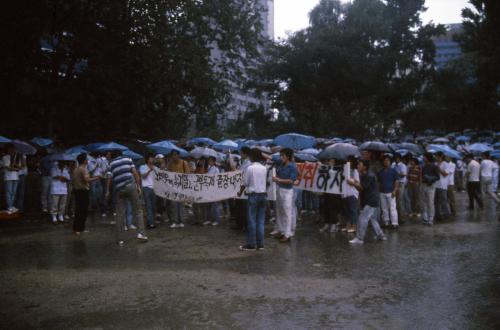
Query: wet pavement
441	277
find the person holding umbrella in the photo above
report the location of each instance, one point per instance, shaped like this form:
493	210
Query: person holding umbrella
11	164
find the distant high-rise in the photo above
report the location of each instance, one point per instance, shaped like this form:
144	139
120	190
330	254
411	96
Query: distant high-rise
243	101
447	48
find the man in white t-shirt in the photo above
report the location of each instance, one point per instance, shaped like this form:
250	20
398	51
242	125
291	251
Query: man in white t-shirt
11	166
487	166
147	172
473	183
402	170
59	191
442	207
350	199
451	185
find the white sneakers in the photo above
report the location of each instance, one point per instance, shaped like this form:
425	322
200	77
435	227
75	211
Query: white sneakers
54	218
142	237
324	228
61	218
132	227
206	223
177	225
215	223
356	241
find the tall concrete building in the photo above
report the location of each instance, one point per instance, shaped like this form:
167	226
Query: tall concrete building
447	49
243	101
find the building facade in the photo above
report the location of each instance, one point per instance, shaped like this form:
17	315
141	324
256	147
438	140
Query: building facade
447	49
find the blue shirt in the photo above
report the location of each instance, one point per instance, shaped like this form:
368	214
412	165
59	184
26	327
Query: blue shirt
286	172
121	170
387	180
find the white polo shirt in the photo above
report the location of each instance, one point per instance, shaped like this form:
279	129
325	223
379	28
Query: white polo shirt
443	180
473	169
451	173
58	187
487	168
9	175
255	178
147	181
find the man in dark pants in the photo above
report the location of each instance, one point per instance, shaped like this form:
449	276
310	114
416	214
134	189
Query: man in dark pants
473	181
81	187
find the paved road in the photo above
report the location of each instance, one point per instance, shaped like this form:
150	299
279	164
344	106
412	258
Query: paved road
444	277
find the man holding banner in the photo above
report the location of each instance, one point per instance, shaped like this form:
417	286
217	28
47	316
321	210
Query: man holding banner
254	183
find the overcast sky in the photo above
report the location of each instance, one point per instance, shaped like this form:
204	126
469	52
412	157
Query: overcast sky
292	15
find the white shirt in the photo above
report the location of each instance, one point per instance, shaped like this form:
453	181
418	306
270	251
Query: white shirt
351	190
24	169
473	169
402	171
148	180
101	167
9	175
487	168
213	170
255	178
245	164
443	180
451	173
58	187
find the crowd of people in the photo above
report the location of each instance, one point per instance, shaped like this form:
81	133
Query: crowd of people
384	190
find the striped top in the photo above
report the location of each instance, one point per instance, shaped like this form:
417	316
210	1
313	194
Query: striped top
121	170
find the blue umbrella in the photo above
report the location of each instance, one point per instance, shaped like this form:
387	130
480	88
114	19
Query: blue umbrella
265	142
495	154
129	153
477	148
463	138
23	147
310	151
201	140
62	156
446	150
3	139
496	145
305	157
226	145
200	152
295	141
76	150
166	147
42	142
441	140
111	146
375	146
93	146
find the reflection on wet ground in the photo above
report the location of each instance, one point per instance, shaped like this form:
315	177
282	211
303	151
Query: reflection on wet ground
443	277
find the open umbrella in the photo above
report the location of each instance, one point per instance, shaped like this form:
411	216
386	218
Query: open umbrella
110	147
200	152
446	150
42	142
375	146
413	148
340	151
201	140
23	147
3	139
495	154
265	142
477	148
133	155
441	140
310	151
166	147
294	141
462	138
496	145
76	150
300	156
62	156
93	146
226	145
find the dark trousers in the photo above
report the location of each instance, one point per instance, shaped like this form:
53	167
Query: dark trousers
332	208
81	209
240	213
474	191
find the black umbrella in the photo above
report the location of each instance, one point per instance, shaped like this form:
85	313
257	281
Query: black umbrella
375	146
340	151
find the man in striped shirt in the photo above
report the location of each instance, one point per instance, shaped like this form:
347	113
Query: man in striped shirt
127	187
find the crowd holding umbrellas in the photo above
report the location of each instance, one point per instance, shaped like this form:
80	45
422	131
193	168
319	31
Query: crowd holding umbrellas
204	155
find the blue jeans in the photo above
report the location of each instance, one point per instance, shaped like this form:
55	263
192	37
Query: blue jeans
96	195
10	192
351	209
214	209
45	195
176	211
256	208
148	195
19	203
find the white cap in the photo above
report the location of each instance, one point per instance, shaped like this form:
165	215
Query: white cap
159	156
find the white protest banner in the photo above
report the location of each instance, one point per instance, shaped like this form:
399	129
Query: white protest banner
317	177
197	188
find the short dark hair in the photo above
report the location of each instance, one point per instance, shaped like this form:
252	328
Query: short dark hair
212	158
486	154
287	152
439	154
175	152
386	156
366	163
429	156
255	155
148	155
81	158
470	156
116	153
246	150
